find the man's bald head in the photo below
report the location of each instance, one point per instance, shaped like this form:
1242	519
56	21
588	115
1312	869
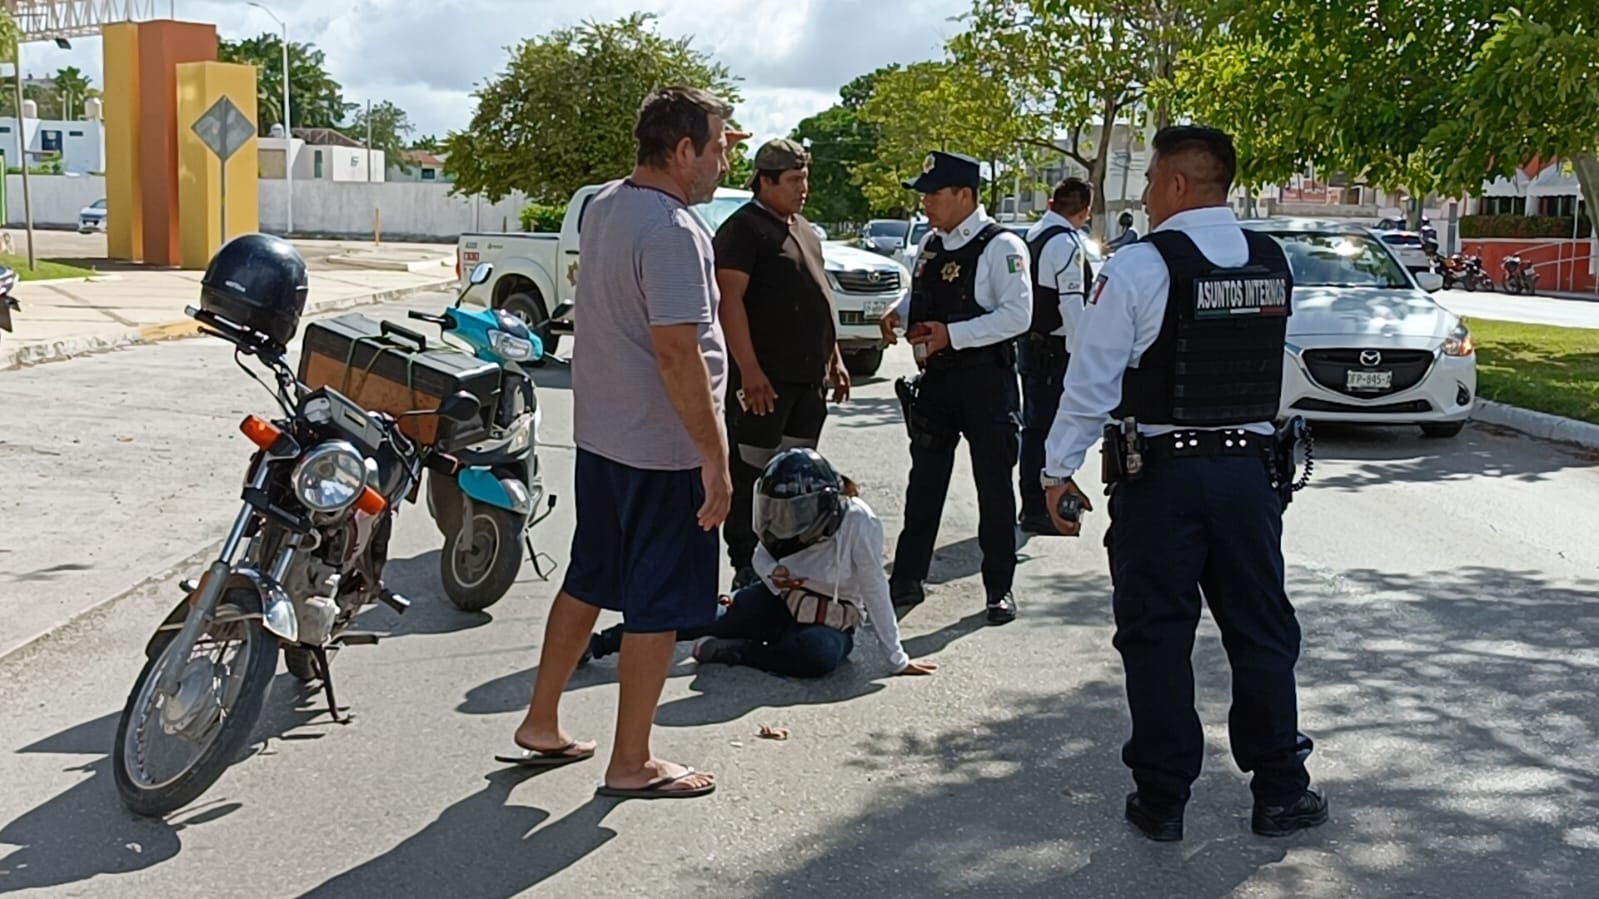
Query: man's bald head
1193	167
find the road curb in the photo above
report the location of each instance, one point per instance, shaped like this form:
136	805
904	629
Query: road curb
72	347
1537	424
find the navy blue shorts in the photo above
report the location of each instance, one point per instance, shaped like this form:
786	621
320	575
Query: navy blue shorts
638	547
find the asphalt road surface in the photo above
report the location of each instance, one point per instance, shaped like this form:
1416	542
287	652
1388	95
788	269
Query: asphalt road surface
1448	677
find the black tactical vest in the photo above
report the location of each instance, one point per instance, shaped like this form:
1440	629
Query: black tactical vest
944	289
1218	360
1046	300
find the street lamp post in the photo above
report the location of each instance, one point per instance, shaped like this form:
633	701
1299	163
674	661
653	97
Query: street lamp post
22	153
288	131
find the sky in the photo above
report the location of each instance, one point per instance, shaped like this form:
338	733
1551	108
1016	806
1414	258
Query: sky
792	55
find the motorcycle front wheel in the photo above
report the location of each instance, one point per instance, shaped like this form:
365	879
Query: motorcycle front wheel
205	724
478	574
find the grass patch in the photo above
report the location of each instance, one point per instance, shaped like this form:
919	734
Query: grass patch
1540	367
46	269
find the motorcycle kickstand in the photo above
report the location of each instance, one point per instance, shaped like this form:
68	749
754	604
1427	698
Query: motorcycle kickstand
536	556
320	653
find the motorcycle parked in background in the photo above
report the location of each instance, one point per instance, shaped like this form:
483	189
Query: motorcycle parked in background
487	510
304	556
8	282
1520	277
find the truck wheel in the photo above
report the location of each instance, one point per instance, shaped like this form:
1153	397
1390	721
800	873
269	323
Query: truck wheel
529	307
863	363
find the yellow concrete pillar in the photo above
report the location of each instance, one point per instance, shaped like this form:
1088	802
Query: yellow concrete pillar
124	199
217	200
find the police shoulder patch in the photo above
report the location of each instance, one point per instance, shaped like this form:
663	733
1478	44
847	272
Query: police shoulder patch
1099	288
1013	263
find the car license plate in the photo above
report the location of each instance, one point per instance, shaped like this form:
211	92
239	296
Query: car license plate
874	308
1369	380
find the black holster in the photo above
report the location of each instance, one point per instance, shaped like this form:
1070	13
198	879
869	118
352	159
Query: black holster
921	429
1121	454
1285	444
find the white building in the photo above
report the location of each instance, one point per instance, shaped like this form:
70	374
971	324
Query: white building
78	146
319	154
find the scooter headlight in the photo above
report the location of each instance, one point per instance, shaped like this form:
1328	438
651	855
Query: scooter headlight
330	478
506	346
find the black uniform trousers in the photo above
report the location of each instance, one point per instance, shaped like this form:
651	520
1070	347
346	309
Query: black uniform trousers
1042	362
800	410
1211	524
978	402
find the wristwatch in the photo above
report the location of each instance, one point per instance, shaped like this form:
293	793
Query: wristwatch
1047	481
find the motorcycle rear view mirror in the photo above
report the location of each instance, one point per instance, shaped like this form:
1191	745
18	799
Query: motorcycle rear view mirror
460	407
480	273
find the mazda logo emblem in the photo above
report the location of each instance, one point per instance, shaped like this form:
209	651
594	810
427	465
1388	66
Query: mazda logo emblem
1370	357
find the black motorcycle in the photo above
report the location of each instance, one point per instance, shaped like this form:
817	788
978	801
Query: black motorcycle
8	282
304	556
1520	277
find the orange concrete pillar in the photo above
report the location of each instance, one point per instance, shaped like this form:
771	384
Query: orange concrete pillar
141	62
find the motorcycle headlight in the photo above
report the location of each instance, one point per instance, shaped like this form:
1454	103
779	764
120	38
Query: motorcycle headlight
330	478
509	347
1459	342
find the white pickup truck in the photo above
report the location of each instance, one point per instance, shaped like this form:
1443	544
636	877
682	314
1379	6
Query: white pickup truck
535	278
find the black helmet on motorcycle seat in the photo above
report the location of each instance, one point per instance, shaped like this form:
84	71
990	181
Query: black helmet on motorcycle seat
799	502
257	282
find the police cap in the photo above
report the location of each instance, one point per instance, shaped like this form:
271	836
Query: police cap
941	170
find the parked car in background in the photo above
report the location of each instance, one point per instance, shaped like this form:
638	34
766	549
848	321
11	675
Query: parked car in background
92	217
1409	248
886	237
535	278
1367	343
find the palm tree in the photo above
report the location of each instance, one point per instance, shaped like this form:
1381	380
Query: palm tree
74	88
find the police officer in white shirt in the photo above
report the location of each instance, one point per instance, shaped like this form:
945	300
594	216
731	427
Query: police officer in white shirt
1060	283
970	297
1184	333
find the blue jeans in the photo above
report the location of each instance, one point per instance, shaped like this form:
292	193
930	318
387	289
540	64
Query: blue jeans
777	643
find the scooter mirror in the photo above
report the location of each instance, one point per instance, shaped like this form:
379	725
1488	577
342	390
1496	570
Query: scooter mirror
481	273
460	406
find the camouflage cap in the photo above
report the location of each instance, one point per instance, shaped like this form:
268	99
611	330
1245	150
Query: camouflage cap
778	155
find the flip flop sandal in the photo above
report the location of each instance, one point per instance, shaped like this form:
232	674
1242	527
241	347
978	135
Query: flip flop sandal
545	758
657	789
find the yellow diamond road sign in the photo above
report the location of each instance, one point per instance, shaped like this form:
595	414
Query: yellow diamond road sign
224	128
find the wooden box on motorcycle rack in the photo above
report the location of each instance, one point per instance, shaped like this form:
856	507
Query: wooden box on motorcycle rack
388	368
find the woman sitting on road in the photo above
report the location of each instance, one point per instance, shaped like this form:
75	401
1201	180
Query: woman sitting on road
820	560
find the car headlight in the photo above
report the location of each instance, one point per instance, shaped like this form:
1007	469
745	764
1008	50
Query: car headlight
330	478
1459	342
508	346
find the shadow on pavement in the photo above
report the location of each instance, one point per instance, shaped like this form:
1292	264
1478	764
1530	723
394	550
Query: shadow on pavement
482	846
1401	454
1456	740
85	832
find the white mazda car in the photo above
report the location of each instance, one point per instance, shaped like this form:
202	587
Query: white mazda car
1367	344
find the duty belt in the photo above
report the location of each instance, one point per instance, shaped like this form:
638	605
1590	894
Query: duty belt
1224	442
999	354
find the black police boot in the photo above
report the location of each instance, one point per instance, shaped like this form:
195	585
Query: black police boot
1002	609
1039	524
1161	824
905	595
1309	810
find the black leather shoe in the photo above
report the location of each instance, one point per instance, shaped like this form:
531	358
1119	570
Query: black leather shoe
1163	825
1040	525
1309	810
1002	609
905	595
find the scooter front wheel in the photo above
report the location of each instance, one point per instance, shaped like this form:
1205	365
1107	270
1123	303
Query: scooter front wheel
477	574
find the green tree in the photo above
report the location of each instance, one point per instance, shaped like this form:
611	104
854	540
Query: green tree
390	127
740	165
838	142
1372	90
428	143
930	106
561	113
315	99
1075	67
1531	89
73	87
